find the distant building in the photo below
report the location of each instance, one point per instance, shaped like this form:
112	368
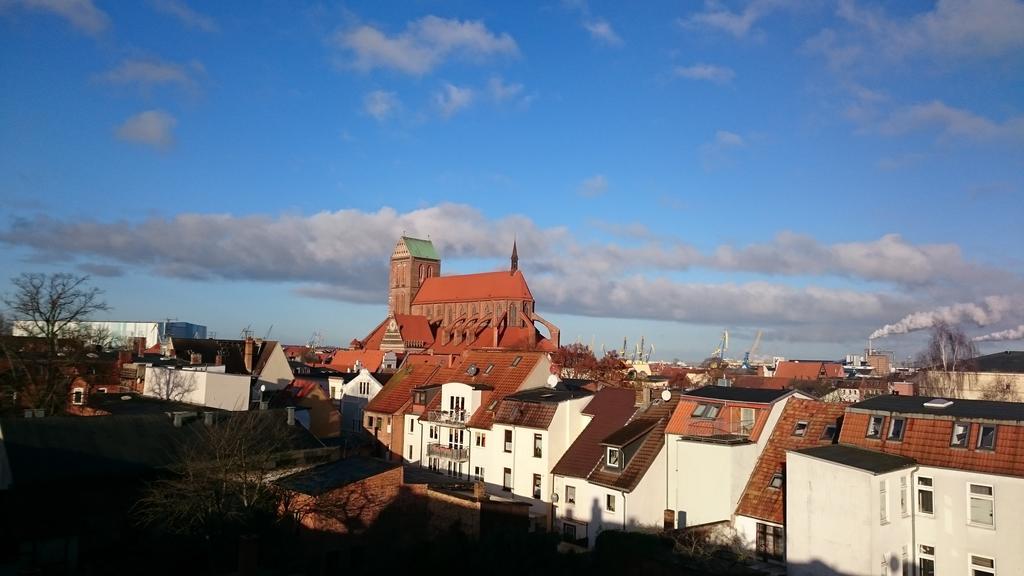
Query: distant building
152	332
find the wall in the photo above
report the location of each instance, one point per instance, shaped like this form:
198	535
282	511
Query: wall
276	373
353	507
351	400
707	479
209	387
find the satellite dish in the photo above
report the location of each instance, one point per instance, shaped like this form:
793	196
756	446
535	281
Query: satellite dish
553	380
666	395
554	497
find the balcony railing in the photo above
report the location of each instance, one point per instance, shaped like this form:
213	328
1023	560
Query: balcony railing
448	452
456	417
717	429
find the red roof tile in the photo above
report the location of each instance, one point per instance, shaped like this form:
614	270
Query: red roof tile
759	500
345	360
412	327
810	370
611	409
650	446
398	391
503	377
474	288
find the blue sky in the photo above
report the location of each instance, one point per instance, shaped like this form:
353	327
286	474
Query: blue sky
818	170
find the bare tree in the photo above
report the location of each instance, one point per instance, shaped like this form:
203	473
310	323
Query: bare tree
52	307
171	384
1002	388
947	362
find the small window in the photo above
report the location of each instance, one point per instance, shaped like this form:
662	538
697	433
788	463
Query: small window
412	425
776	481
698	412
613	458
78	397
883	501
926	561
506	480
570	494
536	486
904	504
960	432
925	497
410	451
875	426
987	437
981	505
609	503
800	429
829	433
896	427
982	566
508	441
478	472
369	421
538	445
712	411
481	439
516	361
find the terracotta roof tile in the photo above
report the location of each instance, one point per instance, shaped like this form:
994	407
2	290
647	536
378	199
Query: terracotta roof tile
810	370
528	414
759	500
345	360
412	327
473	288
611	409
494	369
393	397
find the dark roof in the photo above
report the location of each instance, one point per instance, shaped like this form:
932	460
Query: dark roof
985	409
648	446
132	404
629	433
60	449
736	394
528	414
867	460
232	352
1010	361
326	477
544	394
611	409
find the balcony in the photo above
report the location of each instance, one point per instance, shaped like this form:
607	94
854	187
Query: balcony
716	430
456	454
448	417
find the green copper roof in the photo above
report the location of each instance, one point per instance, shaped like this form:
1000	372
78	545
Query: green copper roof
420	248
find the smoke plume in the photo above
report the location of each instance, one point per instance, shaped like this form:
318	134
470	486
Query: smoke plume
988	311
1011	334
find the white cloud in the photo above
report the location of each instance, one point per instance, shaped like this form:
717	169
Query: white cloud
381	104
950	123
451	99
184	14
152	127
716	16
423	45
502	91
148	73
596	185
602	31
715	153
709	72
82	14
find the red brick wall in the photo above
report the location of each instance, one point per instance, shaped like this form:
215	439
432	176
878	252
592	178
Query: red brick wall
351	508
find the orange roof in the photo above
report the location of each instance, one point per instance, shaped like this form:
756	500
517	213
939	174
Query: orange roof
398	391
412	327
474	288
769	382
728	419
345	360
812	370
426	359
495	369
759	499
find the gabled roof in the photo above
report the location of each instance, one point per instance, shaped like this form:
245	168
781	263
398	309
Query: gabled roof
610	410
866	460
763	382
411	327
398	391
737	394
420	248
808	370
528	414
494	368
473	288
759	500
345	360
650	445
629	433
232	352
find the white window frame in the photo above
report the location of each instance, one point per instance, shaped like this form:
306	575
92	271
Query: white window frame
877	430
80	392
609	502
883	501
972	567
988	497
922	555
967	435
981	435
608	457
930	488
570	494
800	429
480	440
904	498
892	428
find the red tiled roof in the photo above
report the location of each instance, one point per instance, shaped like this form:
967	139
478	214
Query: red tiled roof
727	421
412	327
927	439
503	378
426	359
302	387
345	360
808	370
502	285
766	382
650	446
398	391
761	501
528	414
610	408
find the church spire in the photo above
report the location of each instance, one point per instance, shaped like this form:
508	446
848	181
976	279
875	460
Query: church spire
515	257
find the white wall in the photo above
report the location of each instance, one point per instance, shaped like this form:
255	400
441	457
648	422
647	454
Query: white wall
352	399
706	479
210	386
276	373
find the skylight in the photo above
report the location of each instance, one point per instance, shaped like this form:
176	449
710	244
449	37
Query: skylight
938	403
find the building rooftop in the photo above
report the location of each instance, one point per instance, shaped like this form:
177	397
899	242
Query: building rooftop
419	248
1009	361
958	408
332	475
132	404
562	392
867	460
736	394
610	409
503	285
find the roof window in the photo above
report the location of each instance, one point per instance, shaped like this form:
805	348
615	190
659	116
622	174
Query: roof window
987	437
960	432
776	481
800	429
875	426
516	361
938	403
829	433
706	411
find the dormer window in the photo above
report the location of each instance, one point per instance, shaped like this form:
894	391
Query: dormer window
987	437
960	432
829	433
800	429
875	426
776	481
419	397
896	427
613	458
706	411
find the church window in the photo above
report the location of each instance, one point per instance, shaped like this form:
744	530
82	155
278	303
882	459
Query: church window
423	272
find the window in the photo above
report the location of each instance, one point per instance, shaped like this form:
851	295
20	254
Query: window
982	566
613	458
379	422
410	451
369	421
770	542
536	486
570	494
481	439
904	504
883	501
508	440
478	472
101	390
776	481
987	437
489	368
506	480
829	433
746	420
609	502
960	432
980	506
896	427
538	446
412	425
875	426
905	561
800	429
925	498
364	387
419	398
77	397
706	411
516	361
926	561
433	432
568	531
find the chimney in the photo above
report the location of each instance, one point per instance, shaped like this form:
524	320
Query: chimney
247	357
195	358
140	346
494	336
208	418
291	415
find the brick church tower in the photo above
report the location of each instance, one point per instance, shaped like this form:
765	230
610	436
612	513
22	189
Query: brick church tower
412	262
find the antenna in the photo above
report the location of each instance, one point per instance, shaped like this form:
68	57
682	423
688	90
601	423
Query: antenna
269	330
247	332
